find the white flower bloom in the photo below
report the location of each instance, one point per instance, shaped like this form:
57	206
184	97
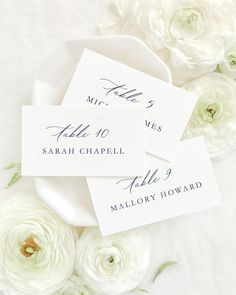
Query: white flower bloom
74	286
113	264
189	34
37	249
228	65
215	113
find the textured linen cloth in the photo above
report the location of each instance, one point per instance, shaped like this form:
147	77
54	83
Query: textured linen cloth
203	242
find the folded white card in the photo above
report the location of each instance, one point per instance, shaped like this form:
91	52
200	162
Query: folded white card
100	81
167	190
82	141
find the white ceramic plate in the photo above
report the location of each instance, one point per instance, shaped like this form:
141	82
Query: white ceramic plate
69	196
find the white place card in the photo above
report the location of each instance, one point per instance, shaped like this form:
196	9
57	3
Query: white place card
82	141
100	81
165	191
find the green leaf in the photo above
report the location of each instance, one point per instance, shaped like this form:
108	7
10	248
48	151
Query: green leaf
16	175
143	290
14	178
218	69
163	267
12	165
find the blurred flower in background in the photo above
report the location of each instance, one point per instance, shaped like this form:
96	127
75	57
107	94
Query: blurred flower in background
188	35
215	113
74	286
113	264
37	249
228	64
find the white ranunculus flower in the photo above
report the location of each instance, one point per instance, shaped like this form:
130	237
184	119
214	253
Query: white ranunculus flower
113	264
189	33
74	286
228	65
37	249
215	113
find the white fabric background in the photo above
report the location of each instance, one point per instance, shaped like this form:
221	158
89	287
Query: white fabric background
204	242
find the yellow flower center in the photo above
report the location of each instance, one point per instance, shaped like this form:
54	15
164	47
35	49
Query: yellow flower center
232	60
191	19
186	22
110	259
29	247
211	111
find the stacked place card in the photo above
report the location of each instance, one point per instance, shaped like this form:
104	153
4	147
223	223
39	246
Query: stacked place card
185	185
121	128
100	81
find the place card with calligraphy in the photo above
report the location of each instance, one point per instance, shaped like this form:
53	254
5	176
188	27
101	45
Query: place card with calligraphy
166	190
101	81
82	141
